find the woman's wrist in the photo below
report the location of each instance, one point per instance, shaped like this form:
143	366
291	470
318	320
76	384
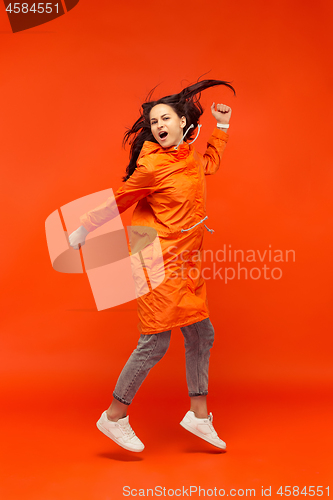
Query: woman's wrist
222	126
83	230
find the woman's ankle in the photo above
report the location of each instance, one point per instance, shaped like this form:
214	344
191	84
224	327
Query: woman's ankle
199	414
112	417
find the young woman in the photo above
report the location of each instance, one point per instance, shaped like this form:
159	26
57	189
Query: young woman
166	178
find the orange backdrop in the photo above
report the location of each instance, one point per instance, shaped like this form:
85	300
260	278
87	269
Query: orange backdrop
69	89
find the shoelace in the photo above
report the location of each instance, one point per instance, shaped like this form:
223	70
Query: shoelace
127	430
210	423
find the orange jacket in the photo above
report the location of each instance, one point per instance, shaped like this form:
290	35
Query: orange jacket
169	188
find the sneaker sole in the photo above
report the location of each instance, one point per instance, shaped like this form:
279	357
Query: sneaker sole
106	432
198	434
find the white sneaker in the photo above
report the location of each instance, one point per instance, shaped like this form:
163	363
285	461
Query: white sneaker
203	428
120	432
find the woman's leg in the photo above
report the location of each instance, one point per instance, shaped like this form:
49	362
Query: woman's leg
113	422
199	406
116	410
199	339
150	349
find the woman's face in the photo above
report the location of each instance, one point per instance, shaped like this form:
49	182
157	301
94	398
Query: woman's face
166	126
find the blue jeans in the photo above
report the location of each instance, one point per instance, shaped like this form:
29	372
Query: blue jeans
198	337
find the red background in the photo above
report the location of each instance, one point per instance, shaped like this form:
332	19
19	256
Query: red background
69	89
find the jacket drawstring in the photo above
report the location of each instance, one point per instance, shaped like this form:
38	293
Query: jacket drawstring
199	126
210	230
191	126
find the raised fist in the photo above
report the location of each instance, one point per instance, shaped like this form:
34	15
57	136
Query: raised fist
222	113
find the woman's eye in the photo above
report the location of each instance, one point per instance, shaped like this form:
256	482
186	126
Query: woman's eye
166	118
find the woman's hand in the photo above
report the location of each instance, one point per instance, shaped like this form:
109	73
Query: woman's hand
77	238
222	113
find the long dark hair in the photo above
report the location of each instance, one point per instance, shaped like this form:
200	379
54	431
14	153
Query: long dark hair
186	103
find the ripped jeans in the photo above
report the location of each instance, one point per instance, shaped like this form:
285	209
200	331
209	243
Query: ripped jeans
198	338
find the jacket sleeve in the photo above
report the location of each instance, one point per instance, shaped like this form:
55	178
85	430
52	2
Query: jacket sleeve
215	147
138	186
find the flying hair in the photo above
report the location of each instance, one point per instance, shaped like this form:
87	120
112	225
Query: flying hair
185	103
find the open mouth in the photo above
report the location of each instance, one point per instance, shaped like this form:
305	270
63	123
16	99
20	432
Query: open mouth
163	134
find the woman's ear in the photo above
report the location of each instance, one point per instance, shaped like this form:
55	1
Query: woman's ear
183	122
